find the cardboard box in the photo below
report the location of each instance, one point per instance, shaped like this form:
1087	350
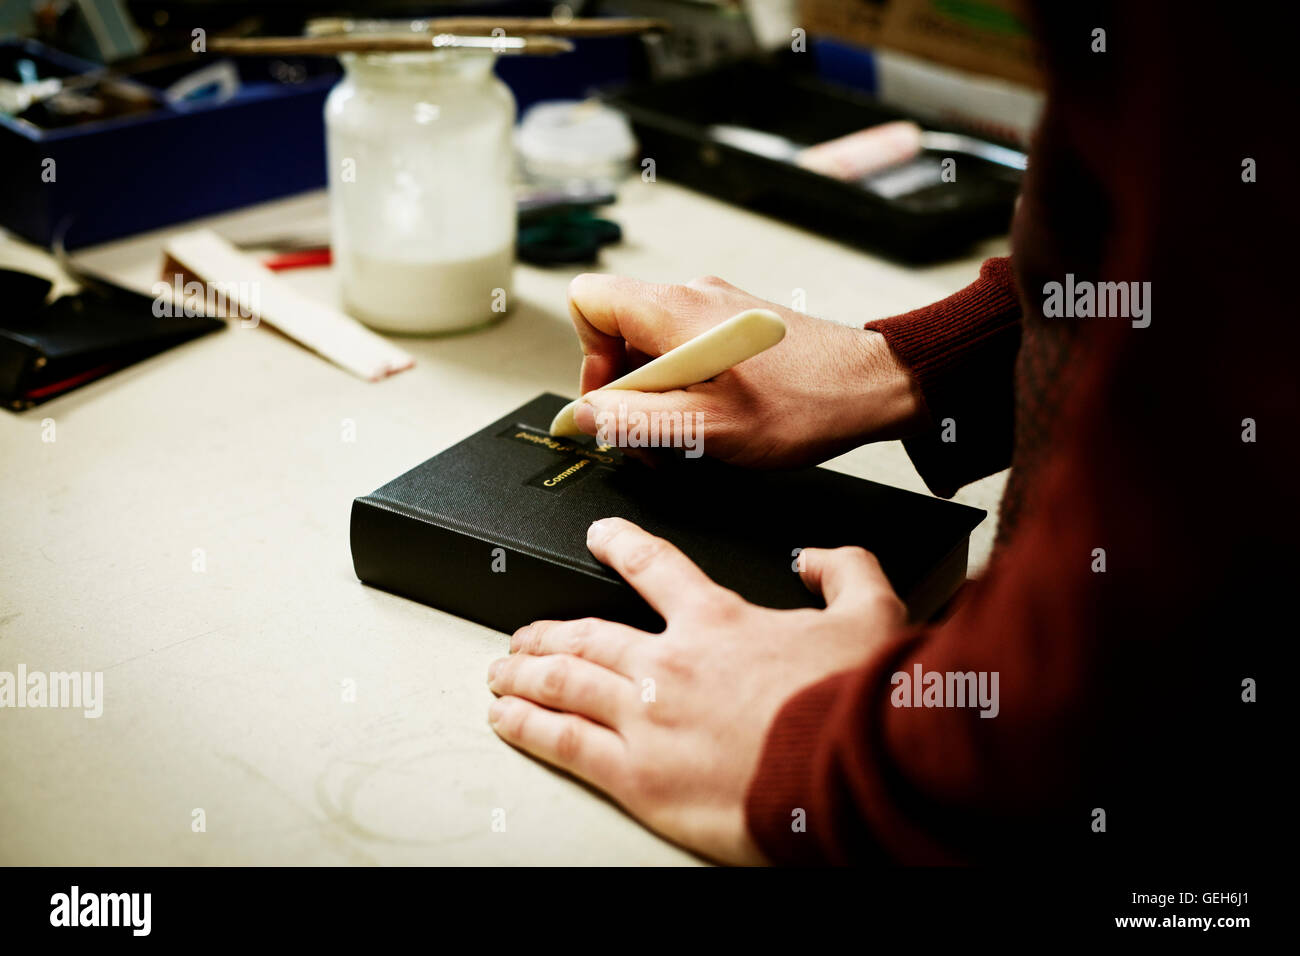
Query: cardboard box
984	36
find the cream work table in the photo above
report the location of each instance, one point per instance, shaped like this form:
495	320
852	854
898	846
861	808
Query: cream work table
186	534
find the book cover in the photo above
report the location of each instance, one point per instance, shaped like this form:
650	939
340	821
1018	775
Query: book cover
494	528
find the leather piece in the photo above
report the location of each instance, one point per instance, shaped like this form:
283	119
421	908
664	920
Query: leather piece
48	349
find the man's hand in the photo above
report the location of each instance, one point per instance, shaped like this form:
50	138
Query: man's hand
822	390
672	725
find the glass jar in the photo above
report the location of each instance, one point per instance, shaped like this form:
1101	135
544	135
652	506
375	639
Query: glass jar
422	202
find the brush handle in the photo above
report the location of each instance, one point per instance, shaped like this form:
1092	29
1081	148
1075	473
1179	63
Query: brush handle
384	43
696	360
545	26
329	37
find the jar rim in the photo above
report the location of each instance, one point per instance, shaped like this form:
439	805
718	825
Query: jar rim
420	65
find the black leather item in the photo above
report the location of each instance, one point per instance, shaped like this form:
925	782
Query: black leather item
478	531
49	349
23	292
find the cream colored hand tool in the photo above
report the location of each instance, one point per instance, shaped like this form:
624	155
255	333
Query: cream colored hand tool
697	360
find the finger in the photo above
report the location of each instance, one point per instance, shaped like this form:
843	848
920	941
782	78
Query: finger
625	418
564	682
601	642
572	743
668	580
844	576
611	312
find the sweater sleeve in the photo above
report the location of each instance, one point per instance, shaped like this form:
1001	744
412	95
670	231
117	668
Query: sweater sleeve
962	353
1147	585
857	769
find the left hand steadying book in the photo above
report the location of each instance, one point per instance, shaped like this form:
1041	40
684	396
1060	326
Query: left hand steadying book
671	725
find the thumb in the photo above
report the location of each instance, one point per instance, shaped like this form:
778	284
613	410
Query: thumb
845	577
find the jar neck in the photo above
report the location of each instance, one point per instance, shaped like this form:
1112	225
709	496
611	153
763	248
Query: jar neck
418	71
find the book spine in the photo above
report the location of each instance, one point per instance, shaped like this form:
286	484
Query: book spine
930	597
484	581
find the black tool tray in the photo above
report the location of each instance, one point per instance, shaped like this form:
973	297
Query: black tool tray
671	120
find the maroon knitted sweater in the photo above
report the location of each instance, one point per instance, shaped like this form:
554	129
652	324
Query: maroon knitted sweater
1146	538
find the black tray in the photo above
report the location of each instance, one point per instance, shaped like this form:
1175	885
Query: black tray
671	120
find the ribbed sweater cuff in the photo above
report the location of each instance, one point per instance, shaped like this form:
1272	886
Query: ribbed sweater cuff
779	806
962	353
804	807
934	342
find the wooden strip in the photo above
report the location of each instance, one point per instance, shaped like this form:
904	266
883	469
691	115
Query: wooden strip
247	284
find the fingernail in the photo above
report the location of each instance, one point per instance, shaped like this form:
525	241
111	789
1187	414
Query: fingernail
493	669
598	531
497	710
518	638
584	416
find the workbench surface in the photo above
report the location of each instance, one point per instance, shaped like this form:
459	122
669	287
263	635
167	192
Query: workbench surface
186	534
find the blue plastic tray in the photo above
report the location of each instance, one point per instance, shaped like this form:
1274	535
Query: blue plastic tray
135	173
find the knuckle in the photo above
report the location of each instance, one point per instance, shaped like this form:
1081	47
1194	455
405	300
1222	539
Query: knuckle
535	641
866	557
878	605
722	608
887	603
677	297
506	675
646	782
555	677
568	743
706	282
643	555
671	660
578	638
657	715
515	721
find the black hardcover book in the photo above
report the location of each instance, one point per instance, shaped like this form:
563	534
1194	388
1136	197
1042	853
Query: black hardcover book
494	529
